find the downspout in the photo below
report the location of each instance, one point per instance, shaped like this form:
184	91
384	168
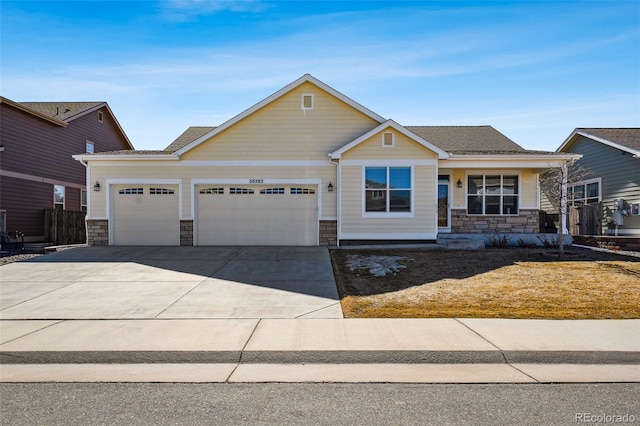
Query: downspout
339	199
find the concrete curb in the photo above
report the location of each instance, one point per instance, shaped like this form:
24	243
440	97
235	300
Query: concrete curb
320	357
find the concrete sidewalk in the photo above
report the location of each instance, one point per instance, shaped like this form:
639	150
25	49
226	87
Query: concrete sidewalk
321	350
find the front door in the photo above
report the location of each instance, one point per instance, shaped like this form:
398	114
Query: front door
443	203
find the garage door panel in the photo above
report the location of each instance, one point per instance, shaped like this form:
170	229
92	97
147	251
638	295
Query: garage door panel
145	215
225	218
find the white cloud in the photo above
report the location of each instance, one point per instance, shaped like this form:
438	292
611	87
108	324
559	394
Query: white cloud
184	10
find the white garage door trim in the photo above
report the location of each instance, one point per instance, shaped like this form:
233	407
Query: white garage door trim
254	182
116	181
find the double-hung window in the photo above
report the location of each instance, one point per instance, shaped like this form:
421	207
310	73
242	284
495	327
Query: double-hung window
492	194
388	189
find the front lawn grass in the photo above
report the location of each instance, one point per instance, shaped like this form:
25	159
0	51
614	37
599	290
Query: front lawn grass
492	283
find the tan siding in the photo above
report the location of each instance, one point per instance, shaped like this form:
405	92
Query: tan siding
160	170
404	148
283	131
424	193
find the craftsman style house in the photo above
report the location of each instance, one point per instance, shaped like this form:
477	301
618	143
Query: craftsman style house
310	166
36	167
611	159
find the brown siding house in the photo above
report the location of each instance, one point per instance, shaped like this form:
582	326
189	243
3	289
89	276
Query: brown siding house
37	140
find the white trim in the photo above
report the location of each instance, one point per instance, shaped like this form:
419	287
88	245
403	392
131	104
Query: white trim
449	183
393	140
499	163
389	163
388	236
307	78
313	102
584	183
336	155
604	141
133	156
215	163
500	173
64	196
88	144
387	214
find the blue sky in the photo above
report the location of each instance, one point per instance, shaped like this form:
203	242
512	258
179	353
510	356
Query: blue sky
533	70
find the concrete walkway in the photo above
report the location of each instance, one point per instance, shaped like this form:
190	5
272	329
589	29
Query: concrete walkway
321	350
152	338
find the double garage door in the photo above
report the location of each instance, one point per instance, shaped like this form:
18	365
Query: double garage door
256	215
225	215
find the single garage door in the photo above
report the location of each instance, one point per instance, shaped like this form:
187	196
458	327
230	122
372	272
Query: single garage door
257	215
145	215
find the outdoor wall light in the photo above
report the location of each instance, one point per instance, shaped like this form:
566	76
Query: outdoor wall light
330	187
459	183
96	187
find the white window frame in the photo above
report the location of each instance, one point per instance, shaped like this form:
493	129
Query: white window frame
64	200
85	204
570	186
101	116
313	101
393	140
484	175
90	147
388	214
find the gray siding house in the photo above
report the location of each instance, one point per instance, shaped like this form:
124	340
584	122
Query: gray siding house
611	157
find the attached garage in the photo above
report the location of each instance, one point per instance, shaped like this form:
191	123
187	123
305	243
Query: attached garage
145	215
257	215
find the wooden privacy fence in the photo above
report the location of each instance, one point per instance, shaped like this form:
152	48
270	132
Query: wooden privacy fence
64	226
585	219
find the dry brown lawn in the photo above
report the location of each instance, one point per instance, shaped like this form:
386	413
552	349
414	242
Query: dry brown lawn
491	283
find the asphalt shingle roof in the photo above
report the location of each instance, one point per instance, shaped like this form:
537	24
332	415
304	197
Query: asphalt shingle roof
61	110
629	137
188	136
468	139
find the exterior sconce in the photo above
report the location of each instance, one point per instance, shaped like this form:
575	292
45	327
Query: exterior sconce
330	187
96	187
459	183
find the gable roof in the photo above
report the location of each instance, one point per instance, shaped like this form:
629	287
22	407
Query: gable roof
307	78
624	139
61	113
64	111
389	124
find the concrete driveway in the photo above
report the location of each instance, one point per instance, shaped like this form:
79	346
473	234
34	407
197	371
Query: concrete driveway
171	283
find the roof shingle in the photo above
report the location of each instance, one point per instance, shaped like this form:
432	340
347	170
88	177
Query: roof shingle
629	137
61	110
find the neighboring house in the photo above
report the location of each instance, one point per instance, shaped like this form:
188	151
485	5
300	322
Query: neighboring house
309	166
611	159
37	140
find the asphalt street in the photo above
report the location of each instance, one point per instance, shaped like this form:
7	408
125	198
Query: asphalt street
317	404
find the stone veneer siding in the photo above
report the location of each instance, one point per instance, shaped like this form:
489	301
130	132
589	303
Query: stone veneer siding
98	232
528	222
186	232
328	232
